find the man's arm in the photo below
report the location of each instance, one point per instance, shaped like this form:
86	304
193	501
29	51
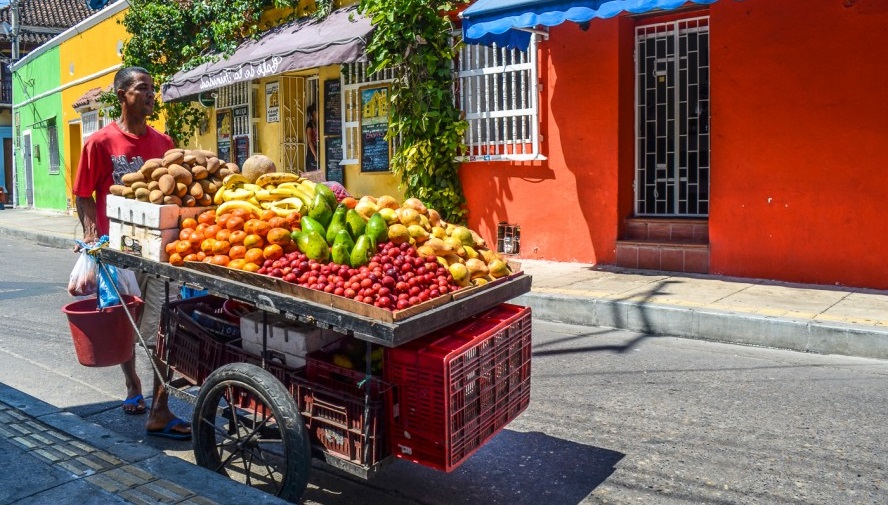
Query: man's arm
86	210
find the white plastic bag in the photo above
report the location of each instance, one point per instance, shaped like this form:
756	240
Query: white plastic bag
83	276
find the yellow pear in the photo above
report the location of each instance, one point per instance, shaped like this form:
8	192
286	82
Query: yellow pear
438	232
389	214
425	251
460	273
471	252
476	268
463	234
456	244
434	217
418	233
498	268
398	234
408	216
488	255
415	204
387	202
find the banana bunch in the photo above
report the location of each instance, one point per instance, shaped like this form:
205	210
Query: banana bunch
280	192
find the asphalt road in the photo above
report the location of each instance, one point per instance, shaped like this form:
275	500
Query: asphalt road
615	417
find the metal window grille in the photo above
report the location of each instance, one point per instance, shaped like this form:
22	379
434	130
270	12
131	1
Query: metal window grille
672	118
508	238
498	93
89	124
5	84
52	135
353	77
296	94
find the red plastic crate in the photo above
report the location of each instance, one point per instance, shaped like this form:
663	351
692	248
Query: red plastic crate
458	387
320	370
189	348
336	422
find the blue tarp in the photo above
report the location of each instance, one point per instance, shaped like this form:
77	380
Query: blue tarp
499	21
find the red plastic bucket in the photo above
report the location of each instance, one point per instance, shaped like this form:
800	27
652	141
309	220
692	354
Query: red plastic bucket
102	337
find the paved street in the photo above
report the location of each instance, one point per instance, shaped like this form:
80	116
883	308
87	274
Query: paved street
615	416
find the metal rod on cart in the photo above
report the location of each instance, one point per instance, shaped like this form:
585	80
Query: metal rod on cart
133	322
367	384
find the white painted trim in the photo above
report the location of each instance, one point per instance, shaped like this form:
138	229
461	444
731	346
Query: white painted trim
65	86
77	29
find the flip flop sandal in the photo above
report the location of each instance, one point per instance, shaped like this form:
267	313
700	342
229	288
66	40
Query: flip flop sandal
167	431
134	406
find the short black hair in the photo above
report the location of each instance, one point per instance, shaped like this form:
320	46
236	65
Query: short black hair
124	77
311	108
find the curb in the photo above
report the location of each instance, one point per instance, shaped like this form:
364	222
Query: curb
711	325
39	238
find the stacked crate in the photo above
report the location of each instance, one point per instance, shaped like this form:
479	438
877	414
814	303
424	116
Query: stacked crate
144	228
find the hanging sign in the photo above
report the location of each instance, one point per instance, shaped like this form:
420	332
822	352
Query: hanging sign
272	102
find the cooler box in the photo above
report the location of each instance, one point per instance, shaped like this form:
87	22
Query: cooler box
455	389
147	214
145	242
289	341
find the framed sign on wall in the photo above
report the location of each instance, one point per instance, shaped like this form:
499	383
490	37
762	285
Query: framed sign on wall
375	148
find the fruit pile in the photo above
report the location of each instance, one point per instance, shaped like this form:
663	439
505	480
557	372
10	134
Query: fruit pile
373	250
184	177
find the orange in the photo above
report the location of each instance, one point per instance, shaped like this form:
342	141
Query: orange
250	267
223	234
212	230
220	259
279	236
250	225
237	251
196	238
185	234
207	259
171	247
235	223
183	247
272	252
291	247
293	219
268	214
254	255
261	228
202	227
237	237
207	217
207	245
253	240
242	213
201	255
191	257
236	264
221	247
277	222
222	218
349	202
175	259
189	222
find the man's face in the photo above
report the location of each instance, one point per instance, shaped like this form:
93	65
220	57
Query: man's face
138	99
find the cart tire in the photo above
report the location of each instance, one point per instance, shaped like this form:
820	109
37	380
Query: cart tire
237	433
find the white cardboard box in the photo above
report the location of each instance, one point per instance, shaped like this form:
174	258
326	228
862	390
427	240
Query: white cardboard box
147	214
148	242
289	340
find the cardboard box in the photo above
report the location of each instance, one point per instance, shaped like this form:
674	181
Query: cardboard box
148	215
139	240
288	340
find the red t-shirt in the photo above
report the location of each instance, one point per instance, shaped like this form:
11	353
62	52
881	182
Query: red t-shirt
107	156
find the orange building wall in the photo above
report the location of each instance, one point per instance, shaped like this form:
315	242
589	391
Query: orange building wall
799	114
799	186
564	205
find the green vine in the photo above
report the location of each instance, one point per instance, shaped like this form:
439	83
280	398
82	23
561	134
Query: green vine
168	36
414	38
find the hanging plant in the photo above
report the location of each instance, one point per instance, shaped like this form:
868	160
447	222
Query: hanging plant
415	39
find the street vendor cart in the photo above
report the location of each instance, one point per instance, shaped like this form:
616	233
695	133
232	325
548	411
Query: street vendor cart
436	381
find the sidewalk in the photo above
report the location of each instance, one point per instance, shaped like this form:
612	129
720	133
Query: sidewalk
808	318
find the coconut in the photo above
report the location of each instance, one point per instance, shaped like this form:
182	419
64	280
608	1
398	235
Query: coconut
256	165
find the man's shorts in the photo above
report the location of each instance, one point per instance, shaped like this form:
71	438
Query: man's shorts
152	289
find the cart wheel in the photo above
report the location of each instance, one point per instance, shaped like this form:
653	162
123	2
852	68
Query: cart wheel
247	426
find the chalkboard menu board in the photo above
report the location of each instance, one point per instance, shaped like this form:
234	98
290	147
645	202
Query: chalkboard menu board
223	150
374	125
332	157
241	150
332	108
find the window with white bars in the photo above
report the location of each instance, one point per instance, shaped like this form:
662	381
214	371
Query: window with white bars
353	77
236	96
89	124
52	136
498	93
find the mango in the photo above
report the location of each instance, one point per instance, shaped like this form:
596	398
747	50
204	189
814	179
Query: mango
313	245
321	210
377	228
355	223
362	251
337	223
327	193
310	224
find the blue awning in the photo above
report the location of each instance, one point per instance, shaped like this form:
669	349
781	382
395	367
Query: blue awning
500	21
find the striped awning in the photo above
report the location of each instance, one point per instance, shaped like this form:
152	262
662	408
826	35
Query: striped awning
505	22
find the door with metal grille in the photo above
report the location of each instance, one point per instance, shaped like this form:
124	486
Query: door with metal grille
296	94
672	119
